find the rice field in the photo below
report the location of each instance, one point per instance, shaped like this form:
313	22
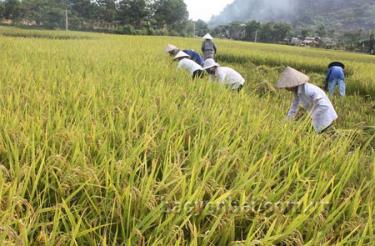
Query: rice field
104	142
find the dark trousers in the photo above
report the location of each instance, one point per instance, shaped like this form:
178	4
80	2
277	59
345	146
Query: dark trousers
239	88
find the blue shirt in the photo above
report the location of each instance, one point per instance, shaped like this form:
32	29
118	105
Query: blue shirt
335	72
195	56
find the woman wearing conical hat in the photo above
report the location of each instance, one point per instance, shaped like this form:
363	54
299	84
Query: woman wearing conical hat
310	97
172	50
224	75
185	63
208	47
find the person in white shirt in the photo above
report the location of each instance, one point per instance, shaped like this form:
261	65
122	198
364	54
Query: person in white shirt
310	97
224	75
184	62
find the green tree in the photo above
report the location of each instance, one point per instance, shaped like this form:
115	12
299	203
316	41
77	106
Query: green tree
189	28
12	9
34	10
152	16
2	8
54	16
237	30
221	31
133	12
280	31
305	33
265	33
49	13
201	28
172	13
83	9
321	31
371	44
251	30
107	10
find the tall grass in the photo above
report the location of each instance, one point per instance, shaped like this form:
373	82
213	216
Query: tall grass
309	60
102	141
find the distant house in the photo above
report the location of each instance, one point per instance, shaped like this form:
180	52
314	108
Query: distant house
6	21
28	22
311	41
307	41
24	22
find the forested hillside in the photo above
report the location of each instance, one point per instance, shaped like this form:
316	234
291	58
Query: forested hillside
339	14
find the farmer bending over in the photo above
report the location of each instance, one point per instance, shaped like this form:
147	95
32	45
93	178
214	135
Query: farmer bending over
310	97
173	50
224	75
191	66
336	77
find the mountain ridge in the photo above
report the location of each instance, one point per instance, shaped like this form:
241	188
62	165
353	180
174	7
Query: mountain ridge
338	14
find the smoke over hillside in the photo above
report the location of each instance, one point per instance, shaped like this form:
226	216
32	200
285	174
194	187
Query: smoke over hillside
342	14
242	10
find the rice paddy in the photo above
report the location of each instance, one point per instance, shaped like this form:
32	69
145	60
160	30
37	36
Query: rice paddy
104	142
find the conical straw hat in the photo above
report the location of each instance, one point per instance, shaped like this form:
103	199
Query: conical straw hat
291	78
208	36
181	54
170	47
209	63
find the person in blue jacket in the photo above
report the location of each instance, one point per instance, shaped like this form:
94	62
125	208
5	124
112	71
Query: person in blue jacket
195	56
336	77
173	50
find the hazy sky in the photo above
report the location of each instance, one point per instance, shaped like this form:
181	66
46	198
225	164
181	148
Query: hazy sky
204	9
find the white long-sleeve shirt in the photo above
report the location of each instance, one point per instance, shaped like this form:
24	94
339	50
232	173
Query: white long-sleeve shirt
189	65
316	102
229	76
